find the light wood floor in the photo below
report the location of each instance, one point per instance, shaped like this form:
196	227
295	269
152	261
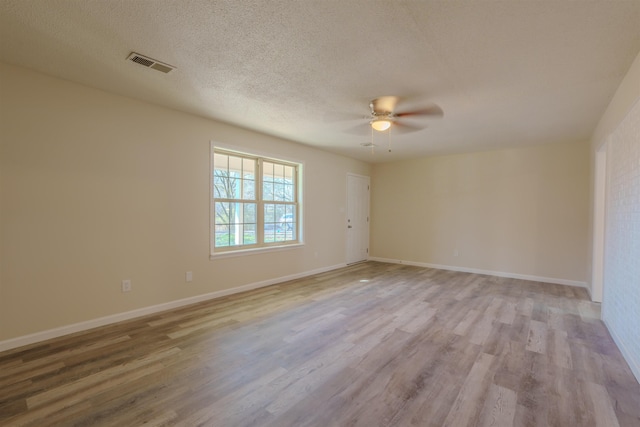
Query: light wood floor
369	345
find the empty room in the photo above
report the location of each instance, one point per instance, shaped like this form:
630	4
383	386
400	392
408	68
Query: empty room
319	213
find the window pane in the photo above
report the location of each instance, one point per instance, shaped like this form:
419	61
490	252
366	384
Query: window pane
267	171
267	181
225	186
248	189
280	212
267	191
278	192
221	175
289	172
218	186
269	236
250	213
290	223
269	213
250	237
220	161
235	166
234	188
289	234
289	191
290	211
269	220
221	236
248	168
278	172
222	213
248	177
233	234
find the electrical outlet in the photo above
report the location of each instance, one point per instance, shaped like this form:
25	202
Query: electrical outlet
126	285
456	253
189	276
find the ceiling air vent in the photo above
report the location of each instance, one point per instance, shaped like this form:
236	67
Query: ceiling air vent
150	63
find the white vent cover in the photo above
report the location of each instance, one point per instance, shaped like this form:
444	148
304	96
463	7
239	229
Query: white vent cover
150	63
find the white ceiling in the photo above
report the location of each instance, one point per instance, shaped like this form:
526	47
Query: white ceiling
506	73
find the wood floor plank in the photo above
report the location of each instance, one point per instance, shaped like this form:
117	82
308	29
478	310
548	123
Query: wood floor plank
558	349
465	324
499	407
481	330
419	321
604	414
465	410
533	404
507	313
537	338
371	344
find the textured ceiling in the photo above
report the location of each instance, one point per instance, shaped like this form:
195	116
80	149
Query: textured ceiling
506	73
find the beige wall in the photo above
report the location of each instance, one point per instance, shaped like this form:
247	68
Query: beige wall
97	188
523	211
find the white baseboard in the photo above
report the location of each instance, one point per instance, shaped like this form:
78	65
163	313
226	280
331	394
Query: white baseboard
634	364
487	272
588	288
119	317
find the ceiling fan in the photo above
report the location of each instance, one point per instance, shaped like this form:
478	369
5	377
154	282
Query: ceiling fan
384	114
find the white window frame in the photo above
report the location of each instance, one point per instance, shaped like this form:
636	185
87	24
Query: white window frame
260	245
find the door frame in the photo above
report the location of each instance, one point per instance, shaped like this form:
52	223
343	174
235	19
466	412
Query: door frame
599	223
368	180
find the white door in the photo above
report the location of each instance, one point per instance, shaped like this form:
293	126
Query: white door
357	218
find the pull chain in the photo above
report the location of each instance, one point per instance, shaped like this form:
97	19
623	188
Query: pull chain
372	146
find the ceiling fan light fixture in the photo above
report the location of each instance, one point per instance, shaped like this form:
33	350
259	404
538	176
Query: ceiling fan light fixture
381	124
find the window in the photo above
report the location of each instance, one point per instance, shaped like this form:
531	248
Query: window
255	202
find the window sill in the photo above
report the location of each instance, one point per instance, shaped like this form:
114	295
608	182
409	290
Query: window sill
242	252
